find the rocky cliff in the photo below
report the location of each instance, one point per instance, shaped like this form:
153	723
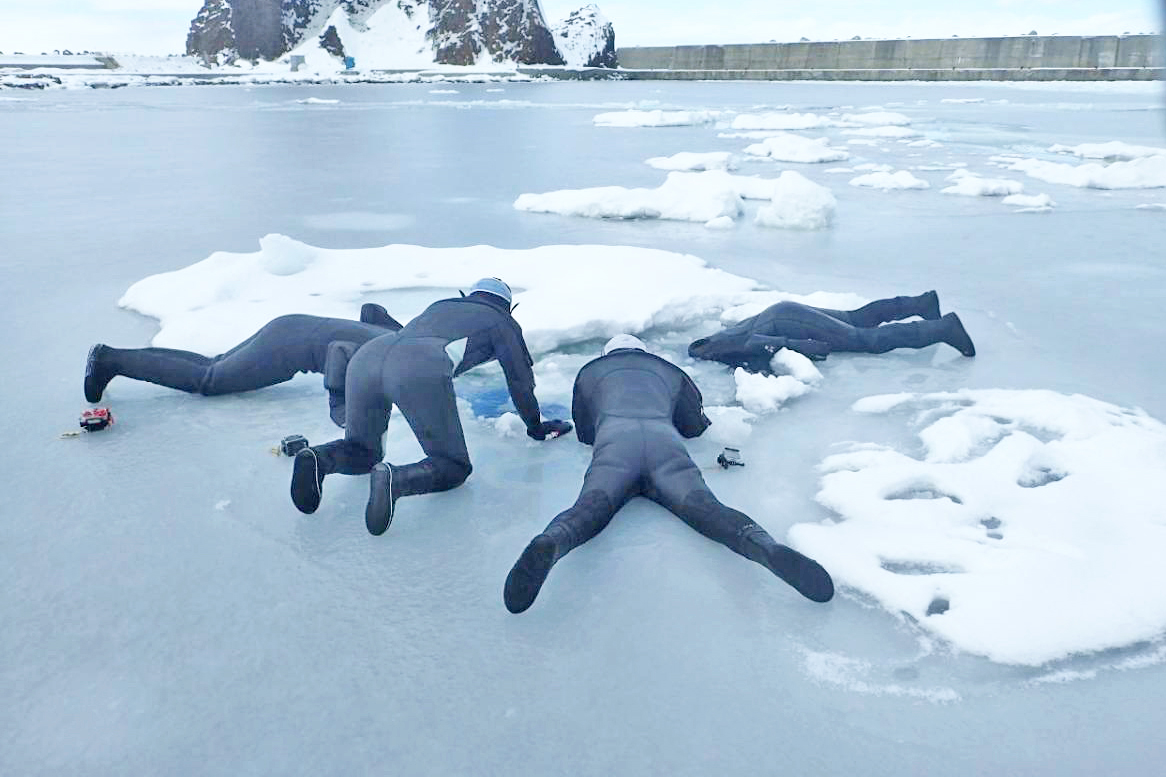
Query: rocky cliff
455	32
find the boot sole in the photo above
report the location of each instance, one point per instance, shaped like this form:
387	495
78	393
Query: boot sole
92	391
305	483
528	575
806	576
378	514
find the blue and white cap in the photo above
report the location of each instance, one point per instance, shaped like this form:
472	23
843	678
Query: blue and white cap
623	341
494	286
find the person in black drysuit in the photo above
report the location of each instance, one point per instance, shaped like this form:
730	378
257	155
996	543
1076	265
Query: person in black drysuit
284	346
634	408
815	332
412	370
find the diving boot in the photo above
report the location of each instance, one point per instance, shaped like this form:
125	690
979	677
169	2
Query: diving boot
98	373
529	573
806	576
388	483
307	483
956	336
382	502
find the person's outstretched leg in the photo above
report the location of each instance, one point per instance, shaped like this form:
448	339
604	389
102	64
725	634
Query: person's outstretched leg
612	479
676	483
577	524
182	370
916	334
430	407
883	311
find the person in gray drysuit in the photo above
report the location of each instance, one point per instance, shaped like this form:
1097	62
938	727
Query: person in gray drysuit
284	346
634	408
815	332
413	370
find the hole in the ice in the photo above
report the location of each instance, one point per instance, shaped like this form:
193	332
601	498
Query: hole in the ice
919	568
1041	476
991	523
995	535
938	606
922	490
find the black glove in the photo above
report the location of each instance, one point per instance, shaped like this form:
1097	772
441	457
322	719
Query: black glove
549	430
816	350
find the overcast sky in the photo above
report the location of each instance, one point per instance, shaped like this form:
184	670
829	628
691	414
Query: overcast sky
160	26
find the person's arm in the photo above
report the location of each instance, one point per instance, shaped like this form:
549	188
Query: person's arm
688	416
581	413
511	352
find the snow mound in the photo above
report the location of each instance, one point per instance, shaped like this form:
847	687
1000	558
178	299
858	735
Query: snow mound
785	147
691	161
1148	172
699	197
1113	151
214	304
1029	527
887	181
781	121
971	185
797	203
656	118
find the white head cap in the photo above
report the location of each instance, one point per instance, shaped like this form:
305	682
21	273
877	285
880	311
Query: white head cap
623	341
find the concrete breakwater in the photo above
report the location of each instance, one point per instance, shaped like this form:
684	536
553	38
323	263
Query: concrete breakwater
1032	57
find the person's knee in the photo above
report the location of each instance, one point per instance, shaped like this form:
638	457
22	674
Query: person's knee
451	473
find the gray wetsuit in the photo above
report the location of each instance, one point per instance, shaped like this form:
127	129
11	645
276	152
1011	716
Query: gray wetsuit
283	347
412	370
815	332
635	409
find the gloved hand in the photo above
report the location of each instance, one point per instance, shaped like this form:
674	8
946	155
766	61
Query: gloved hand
816	350
549	430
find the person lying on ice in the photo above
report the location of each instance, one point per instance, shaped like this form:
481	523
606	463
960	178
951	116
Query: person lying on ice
413	370
815	332
634	408
283	347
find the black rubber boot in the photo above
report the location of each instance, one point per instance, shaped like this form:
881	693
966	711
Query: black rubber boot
883	311
98	373
388	483
577	524
956	336
803	573
530	571
307	483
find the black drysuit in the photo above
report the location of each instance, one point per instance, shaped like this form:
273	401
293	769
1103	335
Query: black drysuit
815	332
635	408
412	370
284	346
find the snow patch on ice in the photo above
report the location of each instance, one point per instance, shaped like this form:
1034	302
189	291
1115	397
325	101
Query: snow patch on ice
692	161
1148	172
1029	528
1113	151
888	181
655	118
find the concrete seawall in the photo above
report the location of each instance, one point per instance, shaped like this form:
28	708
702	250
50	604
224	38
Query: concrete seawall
1022	58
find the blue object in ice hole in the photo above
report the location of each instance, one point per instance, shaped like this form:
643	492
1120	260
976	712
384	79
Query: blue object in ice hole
349	63
492	403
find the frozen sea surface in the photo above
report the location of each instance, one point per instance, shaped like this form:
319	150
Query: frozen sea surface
167	610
